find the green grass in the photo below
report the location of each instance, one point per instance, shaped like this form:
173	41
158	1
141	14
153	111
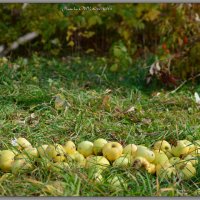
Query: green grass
30	87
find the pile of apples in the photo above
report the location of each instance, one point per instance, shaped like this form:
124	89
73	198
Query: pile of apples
162	159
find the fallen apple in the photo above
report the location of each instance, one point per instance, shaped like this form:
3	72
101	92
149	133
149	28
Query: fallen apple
160	157
192	147
98	146
69	147
162	145
130	149
180	149
144	152
112	150
98	162
54	150
21	165
31	152
193	160
23	143
42	150
58	166
116	183
98	177
175	161
85	148
187	171
151	168
121	162
6	160
165	172
140	162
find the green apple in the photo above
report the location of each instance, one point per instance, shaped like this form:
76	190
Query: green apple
187	171
116	183
98	162
165	171
31	152
122	161
23	143
85	148
160	157
21	165
144	152
69	147
98	146
112	150
130	149
140	162
6	160
180	149
193	160
151	168
42	150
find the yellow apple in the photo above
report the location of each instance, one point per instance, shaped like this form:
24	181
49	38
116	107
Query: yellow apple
77	157
144	152
23	143
97	177
80	159
55	150
162	145
122	162
196	152
21	165
58	166
192	147
165	171
22	156
42	150
175	161
112	150
69	147
187	171
85	148
116	182
31	152
59	158
98	146
151	168
6	160
180	149
130	149
160	157
98	162
193	160
140	162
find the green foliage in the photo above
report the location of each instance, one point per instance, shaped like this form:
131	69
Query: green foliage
124	32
